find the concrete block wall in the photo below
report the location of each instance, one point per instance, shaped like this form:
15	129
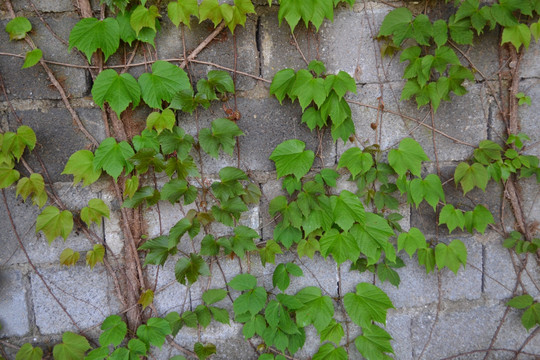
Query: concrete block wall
436	316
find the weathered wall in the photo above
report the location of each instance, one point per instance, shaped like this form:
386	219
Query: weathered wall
463	312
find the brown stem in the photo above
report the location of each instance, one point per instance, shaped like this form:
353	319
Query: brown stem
203	44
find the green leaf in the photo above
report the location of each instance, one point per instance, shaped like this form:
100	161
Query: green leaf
176	140
531	316
251	301
154	332
478	219
471	176
330	352
408	156
451	256
127	34
282	84
535	30
146	298
317	310
54	223
440	32
163	83
213	296
411	241
374	343
368	304
347	209
34	186
341	83
293	10
73	347
204	351
99	353
32	58
28	352
333	332
81	166
268	253
114	331
221	81
317	67
308	89
243	282
487	152
422	29
222	133
96	255
517	35
68	257
8	176
342	246
159	250
451	217
460	30
426	257
373	237
191	268
291	158
118	90
113	157
90	34
95	211
281	275
181	11
356	161
144	17
161	121
18	27
521	302
15	143
398	23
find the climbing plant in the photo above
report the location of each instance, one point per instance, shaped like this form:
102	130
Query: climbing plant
318	216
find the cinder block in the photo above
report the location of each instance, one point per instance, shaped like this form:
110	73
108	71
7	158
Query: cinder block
14	314
45	6
528	115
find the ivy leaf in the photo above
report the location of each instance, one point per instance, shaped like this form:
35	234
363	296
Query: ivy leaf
487	152
191	268
32	58
408	156
95	210
251	301
222	133
34	186
114	331
293	10
521	302
451	256
154	332
68	257
291	158
268	253
342	246
356	161
28	352
18	27
81	166
422	29
451	217
429	189
243	282
144	17
146	298
163	83
204	351
411	241
281	279
282	84
372	236
368	304
317	310
96	255
220	81
209	9
374	343
118	90
15	143
90	34
531	316
478	219
341	83
347	209
426	257
440	32
176	140
330	352
73	347
161	121
333	332
181	11
159	250
113	157
460	30
213	296
517	35
471	176
54	223
397	23
127	34
308	89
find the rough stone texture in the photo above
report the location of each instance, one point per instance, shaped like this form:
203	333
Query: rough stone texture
13	304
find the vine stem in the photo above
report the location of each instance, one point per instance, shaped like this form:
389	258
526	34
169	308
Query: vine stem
203	44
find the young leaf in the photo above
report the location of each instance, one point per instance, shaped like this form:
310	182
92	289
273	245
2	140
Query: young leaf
32	186
521	302
368	304
73	347
144	17
18	27
8	176
54	223
451	256
114	331
181	11
411	241
478	219
374	343
117	90
163	83
291	158
426	257
356	161
146	298
330	352
222	133
451	217
28	352
531	316
308	89
15	143
113	157
190	269
90	34
471	176
408	156
68	257
161	121
32	58
333	332
268	253
81	166
96	255
154	332
94	212
517	35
